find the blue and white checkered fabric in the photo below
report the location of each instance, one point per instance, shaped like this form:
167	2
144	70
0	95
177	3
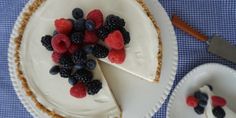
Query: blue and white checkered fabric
209	16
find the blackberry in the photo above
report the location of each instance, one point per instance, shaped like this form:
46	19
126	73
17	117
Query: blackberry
65	72
218	112
199	110
79	56
77	13
54	70
77	37
83	75
91	64
46	42
126	35
79	25
66	61
114	22
202	103
94	87
100	51
102	32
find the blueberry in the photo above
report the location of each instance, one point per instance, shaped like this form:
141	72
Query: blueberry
210	87
79	25
88	48
199	110
218	112
54	70
72	81
77	13
90	64
77	37
202	103
79	66
90	25
201	96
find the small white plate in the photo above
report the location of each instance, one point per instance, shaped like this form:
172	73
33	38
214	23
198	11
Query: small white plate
221	77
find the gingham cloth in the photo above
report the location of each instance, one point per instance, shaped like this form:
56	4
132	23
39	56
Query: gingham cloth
209	16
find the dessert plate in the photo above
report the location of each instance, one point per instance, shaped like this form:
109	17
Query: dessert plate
136	97
222	79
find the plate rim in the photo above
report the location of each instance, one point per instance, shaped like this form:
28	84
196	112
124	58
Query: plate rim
187	76
29	105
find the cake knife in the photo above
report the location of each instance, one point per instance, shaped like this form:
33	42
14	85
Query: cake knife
217	45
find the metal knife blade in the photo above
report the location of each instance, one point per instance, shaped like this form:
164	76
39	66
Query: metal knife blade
222	48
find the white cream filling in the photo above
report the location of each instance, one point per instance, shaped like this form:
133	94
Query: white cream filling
228	112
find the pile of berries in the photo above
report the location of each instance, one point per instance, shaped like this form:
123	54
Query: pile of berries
75	43
199	102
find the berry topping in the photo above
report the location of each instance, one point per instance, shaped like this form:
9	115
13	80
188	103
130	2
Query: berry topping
63	26
218	112
201	96
79	56
218	101
77	13
56	57
83	75
88	48
66	61
79	25
199	110
60	43
100	51
73	48
96	16
72	81
202	103
65	72
90	37
54	70
114	22
94	87
102	32
90	64
116	56
115	40
192	101
46	42
90	25
77	37
78	90
125	35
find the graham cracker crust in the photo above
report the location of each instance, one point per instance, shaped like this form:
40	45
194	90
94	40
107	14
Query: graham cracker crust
25	19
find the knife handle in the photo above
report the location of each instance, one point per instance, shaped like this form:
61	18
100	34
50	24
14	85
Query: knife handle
179	23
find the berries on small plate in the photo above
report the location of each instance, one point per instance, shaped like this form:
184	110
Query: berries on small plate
192	101
218	112
115	40
54	70
218	101
201	96
63	26
78	90
94	87
90	37
100	51
90	25
97	17
116	56
61	43
77	13
202	103
46	42
199	110
77	37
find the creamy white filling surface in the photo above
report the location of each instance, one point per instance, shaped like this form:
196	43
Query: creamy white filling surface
228	112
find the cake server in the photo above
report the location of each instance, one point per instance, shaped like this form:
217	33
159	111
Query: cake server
217	45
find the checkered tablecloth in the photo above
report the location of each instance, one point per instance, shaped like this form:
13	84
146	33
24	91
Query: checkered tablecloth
209	16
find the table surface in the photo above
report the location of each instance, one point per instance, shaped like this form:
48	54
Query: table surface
208	16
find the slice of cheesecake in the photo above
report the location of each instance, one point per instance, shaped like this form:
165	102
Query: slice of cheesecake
208	112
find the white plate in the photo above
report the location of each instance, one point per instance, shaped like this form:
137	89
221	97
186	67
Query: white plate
137	98
221	77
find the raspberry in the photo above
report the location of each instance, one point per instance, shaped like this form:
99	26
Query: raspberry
218	101
78	90
56	57
73	48
97	17
115	40
192	101
63	26
46	42
60	43
94	87
90	37
100	51
116	56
